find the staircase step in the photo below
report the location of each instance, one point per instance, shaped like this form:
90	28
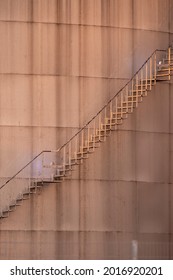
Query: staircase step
27	193
88	149
89	144
130	103
48	181
117	121
82	156
162	71
168	62
114	121
127	109
114	118
162	75
32	189
145	85
119	115
99	138
68	165
76	160
171	55
103	132
66	171
3	217
146	81
135	97
13	206
58	178
142	90
19	199
36	185
6	211
82	151
165	67
5	214
60	175
105	126
162	80
94	141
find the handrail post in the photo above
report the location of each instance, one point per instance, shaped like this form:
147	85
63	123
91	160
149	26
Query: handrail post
69	156
155	66
105	125
137	90
146	76
127	93
94	133
121	100
116	110
132	96
111	114
88	139
141	83
99	127
82	144
150	73
75	152
169	62
64	158
42	167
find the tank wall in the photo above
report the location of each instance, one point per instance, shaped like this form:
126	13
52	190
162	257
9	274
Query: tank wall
60	62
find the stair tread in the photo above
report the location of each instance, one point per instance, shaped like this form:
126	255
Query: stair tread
79	158
130	101
26	193
59	176
171	62
124	107
82	152
147	80
135	96
115	118
139	90
89	149
162	75
119	113
165	68
6	211
51	181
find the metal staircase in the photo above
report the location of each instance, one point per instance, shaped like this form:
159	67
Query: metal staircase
55	166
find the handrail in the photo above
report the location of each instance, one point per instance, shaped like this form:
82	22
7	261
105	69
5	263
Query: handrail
108	101
11	178
66	143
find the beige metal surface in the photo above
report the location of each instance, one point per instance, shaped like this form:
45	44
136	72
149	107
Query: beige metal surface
54	78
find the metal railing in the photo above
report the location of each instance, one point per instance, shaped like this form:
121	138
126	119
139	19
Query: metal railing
51	166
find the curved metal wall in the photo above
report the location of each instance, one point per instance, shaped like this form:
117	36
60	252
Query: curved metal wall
60	61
